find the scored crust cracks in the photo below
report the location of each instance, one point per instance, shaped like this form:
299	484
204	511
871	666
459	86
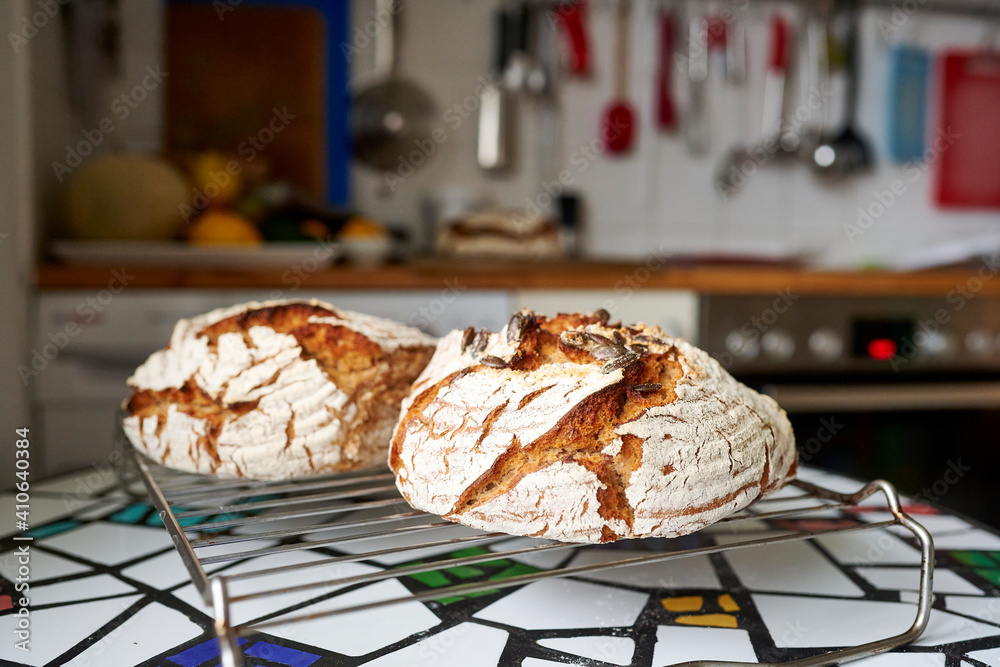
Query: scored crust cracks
574	429
275	390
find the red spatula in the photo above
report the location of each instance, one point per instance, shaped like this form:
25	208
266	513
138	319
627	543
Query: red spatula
618	123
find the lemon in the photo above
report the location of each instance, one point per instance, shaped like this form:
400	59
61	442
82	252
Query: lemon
216	177
362	228
222	227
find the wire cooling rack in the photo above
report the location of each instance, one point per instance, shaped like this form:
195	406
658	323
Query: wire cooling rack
265	518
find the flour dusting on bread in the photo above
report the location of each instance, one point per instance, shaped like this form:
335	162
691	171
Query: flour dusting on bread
574	429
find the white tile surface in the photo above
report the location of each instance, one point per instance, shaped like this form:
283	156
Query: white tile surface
985	609
167	570
153	630
361	632
545	560
692	572
84	484
101	585
43	510
809	623
564	603
110	543
675	644
100	509
460	646
903	660
616	650
43	565
990	656
255	608
973	539
936	524
790	567
54	631
908	579
538	662
872	547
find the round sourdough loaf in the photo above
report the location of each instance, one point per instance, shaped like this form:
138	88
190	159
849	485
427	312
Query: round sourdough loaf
573	429
274	390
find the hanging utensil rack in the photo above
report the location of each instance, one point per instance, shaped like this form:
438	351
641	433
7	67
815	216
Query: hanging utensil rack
256	507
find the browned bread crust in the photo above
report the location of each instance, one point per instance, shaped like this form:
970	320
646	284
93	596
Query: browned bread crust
324	398
521	431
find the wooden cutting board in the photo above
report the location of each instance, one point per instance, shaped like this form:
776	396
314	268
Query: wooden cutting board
229	73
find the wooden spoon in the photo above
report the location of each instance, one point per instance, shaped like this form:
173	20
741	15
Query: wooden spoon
618	124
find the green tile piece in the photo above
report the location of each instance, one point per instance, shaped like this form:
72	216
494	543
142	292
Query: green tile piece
515	570
973	558
465	572
479	551
995	555
155	520
132	513
434	579
993	576
52	529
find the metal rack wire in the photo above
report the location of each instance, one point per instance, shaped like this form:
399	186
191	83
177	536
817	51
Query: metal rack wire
193	508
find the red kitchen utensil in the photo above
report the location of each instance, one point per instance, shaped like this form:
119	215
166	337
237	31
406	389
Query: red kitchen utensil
667	118
774	79
618	124
967	141
572	17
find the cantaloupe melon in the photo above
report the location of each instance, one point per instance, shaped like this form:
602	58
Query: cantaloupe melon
131	197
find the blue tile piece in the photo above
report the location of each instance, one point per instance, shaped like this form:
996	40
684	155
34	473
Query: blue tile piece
52	529
199	653
282	654
131	514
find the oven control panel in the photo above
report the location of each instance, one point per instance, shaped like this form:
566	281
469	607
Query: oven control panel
785	332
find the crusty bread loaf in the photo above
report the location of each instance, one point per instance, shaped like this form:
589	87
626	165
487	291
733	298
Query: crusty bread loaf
275	390
573	429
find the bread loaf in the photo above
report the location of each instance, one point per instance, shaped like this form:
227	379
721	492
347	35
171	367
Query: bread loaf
274	390
577	430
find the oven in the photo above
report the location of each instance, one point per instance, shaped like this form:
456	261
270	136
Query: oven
903	388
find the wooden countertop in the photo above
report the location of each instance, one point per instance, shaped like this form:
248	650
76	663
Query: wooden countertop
740	279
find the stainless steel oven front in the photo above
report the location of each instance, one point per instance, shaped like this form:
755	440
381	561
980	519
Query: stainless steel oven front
905	388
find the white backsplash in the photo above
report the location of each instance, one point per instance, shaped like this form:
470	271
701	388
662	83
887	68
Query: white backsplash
659	198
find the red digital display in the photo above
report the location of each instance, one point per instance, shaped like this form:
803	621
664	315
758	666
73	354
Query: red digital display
882	349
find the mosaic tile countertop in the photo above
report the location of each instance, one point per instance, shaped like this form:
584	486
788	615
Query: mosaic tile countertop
108	590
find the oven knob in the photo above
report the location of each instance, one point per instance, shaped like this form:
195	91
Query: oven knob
979	342
778	344
742	347
826	344
935	343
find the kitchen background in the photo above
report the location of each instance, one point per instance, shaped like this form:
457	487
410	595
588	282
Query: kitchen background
148	77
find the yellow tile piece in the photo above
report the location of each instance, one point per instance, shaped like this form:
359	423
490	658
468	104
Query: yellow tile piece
728	603
686	603
709	620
